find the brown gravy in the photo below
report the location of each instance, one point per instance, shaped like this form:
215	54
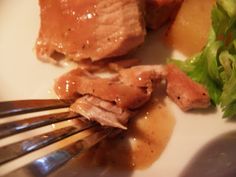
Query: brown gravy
141	145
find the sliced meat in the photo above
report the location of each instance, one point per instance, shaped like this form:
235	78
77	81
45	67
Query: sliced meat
104	112
130	88
77	82
186	93
123	95
93	29
111	101
160	11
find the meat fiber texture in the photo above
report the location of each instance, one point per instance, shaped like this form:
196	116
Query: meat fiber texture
113	101
110	101
94	29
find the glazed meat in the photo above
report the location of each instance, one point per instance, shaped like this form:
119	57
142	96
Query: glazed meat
80	82
113	97
158	12
186	93
129	88
94	29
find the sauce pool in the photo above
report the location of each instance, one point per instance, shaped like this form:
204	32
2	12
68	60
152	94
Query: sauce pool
138	147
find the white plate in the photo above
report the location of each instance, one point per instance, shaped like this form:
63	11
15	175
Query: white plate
22	76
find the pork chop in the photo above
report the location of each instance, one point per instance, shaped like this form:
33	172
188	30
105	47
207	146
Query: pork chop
94	29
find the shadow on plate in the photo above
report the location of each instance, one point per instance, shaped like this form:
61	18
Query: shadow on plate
95	164
154	50
231	119
211	110
215	159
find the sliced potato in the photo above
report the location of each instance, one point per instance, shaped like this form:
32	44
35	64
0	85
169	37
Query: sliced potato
189	31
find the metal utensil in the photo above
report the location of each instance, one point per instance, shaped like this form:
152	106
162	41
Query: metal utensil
41	144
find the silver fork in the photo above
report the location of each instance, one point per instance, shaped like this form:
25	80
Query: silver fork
47	150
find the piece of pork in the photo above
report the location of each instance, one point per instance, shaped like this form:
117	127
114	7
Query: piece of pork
125	90
158	12
78	82
94	29
185	92
104	112
111	100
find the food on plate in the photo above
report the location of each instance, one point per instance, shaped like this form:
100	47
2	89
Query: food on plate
124	91
94	30
89	29
159	12
184	91
215	65
102	111
137	148
97	29
114	97
189	31
140	145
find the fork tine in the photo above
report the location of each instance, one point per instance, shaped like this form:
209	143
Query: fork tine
19	154
43	166
9	108
12	128
23	147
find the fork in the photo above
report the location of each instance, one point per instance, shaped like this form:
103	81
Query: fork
43	142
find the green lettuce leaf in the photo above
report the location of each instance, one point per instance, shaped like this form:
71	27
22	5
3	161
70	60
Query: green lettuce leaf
229	110
229	90
215	65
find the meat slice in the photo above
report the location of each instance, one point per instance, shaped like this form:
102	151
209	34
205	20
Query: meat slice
186	93
104	112
96	29
160	11
110	89
129	88
112	100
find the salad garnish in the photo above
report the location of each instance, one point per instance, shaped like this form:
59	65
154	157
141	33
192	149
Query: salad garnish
215	65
